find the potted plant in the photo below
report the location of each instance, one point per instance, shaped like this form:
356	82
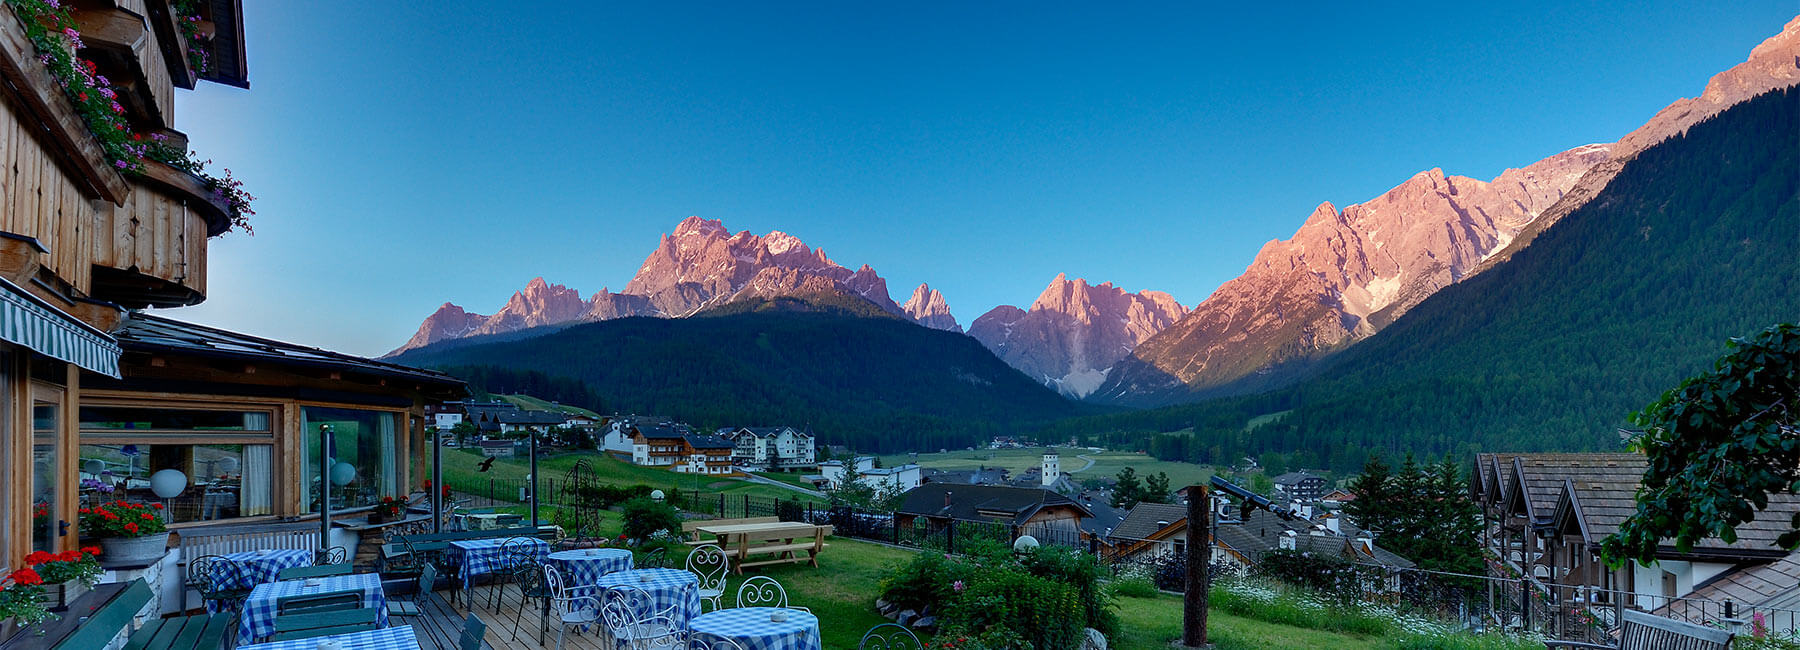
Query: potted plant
129	532
66	576
22	602
388	508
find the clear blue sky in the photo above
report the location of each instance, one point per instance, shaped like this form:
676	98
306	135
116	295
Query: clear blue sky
407	155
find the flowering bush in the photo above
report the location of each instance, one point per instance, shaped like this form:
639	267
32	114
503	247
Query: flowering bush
391	506
23	599
122	519
427	489
81	565
993	599
54	35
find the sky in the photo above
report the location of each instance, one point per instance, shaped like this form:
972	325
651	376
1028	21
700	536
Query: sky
410	154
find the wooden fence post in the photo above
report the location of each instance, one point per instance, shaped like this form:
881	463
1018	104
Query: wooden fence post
1199	576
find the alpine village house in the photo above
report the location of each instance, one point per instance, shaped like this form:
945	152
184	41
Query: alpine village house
104	216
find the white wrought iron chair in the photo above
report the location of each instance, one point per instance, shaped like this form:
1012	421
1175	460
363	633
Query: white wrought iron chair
631	620
710	564
709	641
570	610
889	636
764	591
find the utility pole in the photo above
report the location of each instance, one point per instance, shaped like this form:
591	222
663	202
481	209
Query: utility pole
1199	578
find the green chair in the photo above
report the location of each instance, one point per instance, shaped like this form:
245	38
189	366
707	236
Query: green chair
331	601
311	624
472	633
416	607
322	571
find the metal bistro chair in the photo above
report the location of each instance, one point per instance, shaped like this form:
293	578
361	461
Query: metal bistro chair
515	554
631	620
205	575
570	610
764	591
710	564
333	555
533	582
889	636
708	641
1643	631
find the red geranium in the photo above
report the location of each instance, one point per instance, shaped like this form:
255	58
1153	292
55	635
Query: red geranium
131	527
26	576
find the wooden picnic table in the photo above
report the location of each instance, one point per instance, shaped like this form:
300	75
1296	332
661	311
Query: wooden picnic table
782	539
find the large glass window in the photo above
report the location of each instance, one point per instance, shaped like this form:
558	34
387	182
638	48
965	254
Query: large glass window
364	459
226	455
223	480
46	420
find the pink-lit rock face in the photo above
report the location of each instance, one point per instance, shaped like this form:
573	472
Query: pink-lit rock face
1345	273
927	307
699	265
1074	332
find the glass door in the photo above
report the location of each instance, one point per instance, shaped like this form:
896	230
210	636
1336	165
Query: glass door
46	438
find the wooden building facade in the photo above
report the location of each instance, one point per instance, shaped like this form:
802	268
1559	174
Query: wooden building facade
98	396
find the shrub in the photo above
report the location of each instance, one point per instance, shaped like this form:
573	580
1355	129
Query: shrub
1134	586
645	518
1041	612
1080	571
929	579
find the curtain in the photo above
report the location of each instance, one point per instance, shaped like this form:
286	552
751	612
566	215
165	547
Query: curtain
390	456
254	490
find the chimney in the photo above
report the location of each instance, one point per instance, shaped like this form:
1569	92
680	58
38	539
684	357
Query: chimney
1287	540
946	498
1331	524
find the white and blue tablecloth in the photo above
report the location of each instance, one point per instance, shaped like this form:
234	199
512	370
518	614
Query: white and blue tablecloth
751	628
258	619
251	568
583	567
392	638
473	556
671	590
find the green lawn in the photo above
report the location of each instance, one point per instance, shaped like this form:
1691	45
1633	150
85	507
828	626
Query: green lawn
530	403
461	472
1107	463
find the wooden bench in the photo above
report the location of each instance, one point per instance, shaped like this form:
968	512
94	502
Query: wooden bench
783	540
198	632
1642	631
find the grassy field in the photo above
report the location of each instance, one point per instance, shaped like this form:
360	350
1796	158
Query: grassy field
530	403
461	472
1107	463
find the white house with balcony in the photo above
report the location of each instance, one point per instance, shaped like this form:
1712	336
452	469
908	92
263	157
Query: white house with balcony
772	448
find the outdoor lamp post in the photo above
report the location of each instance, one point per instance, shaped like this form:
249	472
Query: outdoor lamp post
1025	544
532	434
168	484
657	496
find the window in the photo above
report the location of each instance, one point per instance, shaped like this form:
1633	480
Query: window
364	458
223	481
226	454
46	424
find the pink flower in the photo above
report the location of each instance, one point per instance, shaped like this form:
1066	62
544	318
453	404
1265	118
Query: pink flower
957	586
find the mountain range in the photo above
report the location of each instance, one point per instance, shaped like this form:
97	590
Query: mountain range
1344	275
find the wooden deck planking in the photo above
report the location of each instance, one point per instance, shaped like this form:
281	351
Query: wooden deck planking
441	626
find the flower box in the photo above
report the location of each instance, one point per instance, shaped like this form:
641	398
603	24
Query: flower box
59	595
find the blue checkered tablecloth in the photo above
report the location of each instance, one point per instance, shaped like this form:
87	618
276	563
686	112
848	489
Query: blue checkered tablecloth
751	628
583	567
258	619
473	556
392	638
251	568
673	590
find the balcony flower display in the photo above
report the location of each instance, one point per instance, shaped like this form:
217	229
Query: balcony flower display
66	575
22	601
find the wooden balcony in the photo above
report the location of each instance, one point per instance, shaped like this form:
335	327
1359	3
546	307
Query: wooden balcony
151	251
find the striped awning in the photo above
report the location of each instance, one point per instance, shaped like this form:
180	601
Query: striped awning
28	321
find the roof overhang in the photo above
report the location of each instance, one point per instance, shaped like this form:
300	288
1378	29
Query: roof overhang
29	321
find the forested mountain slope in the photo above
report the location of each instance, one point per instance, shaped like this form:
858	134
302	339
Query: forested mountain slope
1695	241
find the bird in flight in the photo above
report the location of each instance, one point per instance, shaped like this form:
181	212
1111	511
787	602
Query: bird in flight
485	464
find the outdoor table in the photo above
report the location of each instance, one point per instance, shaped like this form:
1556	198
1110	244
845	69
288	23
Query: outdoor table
672	590
473	556
750	627
258	617
583	567
251	568
392	638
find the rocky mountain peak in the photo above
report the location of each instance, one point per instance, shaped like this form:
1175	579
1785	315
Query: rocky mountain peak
1074	332
927	307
